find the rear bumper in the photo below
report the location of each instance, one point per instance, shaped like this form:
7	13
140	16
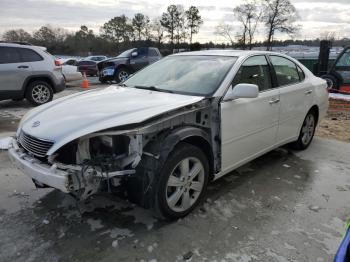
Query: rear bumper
43	173
60	85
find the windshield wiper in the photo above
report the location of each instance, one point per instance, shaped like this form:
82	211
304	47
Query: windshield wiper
153	88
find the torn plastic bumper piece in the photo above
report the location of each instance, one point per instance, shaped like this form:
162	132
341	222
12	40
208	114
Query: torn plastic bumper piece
63	179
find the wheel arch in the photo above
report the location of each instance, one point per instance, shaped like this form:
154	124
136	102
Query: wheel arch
127	67
316	110
31	79
155	154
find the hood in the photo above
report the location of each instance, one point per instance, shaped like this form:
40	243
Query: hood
71	117
112	62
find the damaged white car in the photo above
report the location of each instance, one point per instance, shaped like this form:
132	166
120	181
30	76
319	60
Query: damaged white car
171	128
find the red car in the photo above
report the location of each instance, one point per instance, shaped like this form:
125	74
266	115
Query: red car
88	67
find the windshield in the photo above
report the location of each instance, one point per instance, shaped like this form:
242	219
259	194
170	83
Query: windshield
192	75
126	53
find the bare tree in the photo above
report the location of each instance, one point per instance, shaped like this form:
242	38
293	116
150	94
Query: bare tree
226	31
157	31
117	29
249	15
49	35
328	35
171	20
16	35
194	21
140	23
280	15
180	32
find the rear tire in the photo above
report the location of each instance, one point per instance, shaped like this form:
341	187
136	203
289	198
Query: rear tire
39	92
307	131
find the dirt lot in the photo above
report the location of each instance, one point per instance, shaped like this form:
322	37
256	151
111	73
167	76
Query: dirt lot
335	126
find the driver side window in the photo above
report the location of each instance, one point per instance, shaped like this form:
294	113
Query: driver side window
255	70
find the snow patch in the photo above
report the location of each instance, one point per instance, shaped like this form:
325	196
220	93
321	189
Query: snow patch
94	224
5	142
339	96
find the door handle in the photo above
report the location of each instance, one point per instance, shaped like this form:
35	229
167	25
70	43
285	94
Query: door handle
22	66
274	101
308	92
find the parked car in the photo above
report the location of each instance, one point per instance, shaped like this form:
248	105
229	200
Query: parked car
88	67
70	69
96	58
168	130
119	68
29	72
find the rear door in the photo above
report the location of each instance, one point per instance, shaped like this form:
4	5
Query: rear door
249	125
13	70
153	55
296	97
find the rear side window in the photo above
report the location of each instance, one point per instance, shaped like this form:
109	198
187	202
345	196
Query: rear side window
9	55
255	70
28	55
152	52
142	51
286	70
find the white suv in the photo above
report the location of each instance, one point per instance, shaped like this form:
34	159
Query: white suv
29	72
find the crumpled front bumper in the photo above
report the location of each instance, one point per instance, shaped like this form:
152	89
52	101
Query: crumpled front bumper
35	169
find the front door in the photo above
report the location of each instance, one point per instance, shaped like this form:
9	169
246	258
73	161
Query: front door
249	125
141	60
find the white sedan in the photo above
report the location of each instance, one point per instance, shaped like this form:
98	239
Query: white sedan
172	127
70	69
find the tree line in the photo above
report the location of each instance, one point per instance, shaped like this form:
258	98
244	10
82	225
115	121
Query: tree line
174	29
176	25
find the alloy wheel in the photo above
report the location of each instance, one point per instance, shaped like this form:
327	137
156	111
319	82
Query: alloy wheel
185	184
123	75
41	94
308	129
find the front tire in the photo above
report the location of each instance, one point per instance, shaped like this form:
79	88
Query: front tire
182	183
39	92
121	74
307	131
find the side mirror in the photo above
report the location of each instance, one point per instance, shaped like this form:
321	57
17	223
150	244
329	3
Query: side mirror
134	54
242	91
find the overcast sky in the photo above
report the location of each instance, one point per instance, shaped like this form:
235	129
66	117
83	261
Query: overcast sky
316	16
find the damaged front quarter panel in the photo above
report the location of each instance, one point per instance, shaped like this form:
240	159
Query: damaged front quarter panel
101	160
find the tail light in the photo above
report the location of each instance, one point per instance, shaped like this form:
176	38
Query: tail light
57	62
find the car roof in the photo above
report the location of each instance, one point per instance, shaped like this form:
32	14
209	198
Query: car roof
225	52
4	44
